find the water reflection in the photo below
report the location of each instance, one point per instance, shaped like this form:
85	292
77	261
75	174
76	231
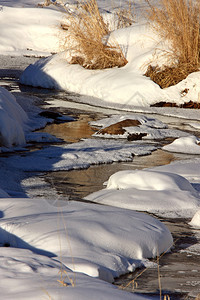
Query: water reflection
72	131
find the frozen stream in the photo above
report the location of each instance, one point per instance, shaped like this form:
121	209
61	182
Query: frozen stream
179	270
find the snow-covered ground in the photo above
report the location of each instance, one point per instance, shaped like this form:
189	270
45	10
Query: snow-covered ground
124	86
62	250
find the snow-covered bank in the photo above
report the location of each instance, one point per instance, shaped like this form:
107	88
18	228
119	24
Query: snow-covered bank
96	235
126	86
39	34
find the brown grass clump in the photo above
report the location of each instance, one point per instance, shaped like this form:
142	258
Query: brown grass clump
168	76
190	104
87	37
179	22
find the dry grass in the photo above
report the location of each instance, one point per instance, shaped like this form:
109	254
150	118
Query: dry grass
179	22
87	38
168	76
125	15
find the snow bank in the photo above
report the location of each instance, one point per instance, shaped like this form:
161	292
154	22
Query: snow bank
188	145
29	30
96	240
12	120
153	191
126	86
18	117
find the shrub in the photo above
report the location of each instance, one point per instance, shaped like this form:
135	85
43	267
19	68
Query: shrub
179	22
87	38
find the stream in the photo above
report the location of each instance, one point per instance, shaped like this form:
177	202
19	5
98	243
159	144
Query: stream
179	270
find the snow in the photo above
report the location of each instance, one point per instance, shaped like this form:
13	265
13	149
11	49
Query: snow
27	265
12	120
161	192
87	238
196	219
126	86
78	155
17	22
148	180
188	145
153	128
18	118
187	168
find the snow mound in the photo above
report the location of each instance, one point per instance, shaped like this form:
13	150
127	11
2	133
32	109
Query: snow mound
188	145
12	120
100	241
151	191
149	180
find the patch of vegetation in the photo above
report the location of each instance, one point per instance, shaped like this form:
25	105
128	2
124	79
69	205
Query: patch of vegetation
170	75
87	37
178	21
